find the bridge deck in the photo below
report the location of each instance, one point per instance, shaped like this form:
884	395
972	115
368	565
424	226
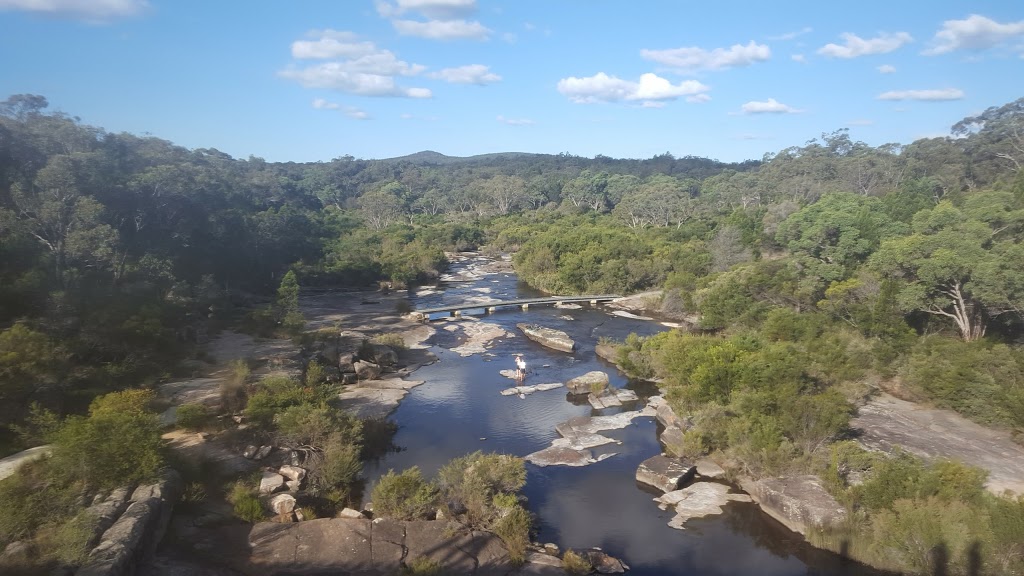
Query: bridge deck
518	302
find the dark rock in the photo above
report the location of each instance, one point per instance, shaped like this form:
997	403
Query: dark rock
367	370
263	452
384	356
664	473
605	564
347	363
349	378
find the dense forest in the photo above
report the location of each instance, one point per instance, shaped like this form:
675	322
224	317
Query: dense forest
809	279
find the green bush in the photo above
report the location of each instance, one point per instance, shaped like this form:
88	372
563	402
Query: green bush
339	469
391	340
68	542
246	503
405	496
118	443
514	530
193	416
476	480
421	566
576	564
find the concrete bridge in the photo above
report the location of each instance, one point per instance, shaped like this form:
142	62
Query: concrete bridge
423	314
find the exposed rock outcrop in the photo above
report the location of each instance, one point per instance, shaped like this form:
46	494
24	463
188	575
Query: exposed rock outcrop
609	352
137	531
554	339
664	473
611	398
696	501
587	383
378	547
375	398
272	482
578	436
367	370
282	504
799	502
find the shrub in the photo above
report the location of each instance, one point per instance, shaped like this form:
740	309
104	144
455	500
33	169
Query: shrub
315	374
232	388
340	467
514	529
68	543
476	480
118	443
193	416
405	496
421	566
246	503
403	307
391	340
576	564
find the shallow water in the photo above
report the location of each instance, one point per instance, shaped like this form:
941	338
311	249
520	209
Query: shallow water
459	410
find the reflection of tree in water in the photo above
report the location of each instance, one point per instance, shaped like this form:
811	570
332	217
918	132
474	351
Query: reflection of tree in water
767	533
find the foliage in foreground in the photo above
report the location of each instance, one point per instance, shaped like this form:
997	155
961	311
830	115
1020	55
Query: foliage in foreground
479	489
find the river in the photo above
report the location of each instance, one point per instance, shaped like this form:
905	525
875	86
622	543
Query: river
459	410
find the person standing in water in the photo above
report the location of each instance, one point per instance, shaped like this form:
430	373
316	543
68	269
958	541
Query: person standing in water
520	367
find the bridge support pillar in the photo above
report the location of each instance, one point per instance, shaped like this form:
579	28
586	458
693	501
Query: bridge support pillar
492	309
593	302
525	307
457	313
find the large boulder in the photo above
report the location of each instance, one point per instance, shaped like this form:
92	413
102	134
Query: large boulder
384	355
347	363
554	339
605	564
282	504
367	370
271	482
799	502
586	383
609	352
664	473
294	473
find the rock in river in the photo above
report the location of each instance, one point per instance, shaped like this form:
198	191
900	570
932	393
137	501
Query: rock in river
555	339
664	473
799	502
697	500
525	390
588	382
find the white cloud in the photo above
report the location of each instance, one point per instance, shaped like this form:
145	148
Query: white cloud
361	67
350	111
769	106
321	104
886	69
604	88
515	121
331	44
478	74
855	46
88	10
433	9
792	35
972	33
356	113
698	98
927	95
799	58
860	122
337	76
695	58
442	29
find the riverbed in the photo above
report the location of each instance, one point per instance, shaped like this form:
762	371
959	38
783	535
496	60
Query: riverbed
459	409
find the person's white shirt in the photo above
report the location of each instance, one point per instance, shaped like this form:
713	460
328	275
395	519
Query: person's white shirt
521	364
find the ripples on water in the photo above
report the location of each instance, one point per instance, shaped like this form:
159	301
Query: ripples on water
459	410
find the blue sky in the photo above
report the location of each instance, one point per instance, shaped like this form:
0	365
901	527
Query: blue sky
313	80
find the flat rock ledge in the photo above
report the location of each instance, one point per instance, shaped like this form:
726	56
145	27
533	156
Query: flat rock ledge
380	547
375	398
696	501
527	390
664	473
554	339
798	502
611	398
578	436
